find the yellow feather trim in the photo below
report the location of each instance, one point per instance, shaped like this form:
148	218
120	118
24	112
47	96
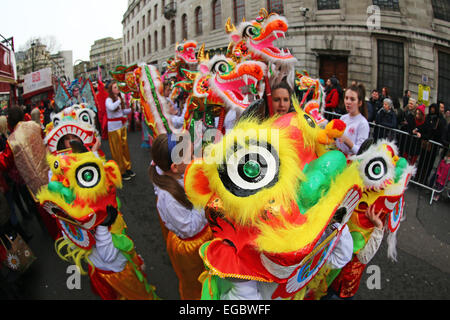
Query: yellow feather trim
291	238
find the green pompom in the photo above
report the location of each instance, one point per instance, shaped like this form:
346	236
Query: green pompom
358	241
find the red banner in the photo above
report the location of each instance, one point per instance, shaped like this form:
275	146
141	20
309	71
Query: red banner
7	71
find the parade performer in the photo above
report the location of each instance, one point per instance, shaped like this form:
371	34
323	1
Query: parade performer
386	177
81	197
187	228
26	147
79	92
145	84
269	198
117	130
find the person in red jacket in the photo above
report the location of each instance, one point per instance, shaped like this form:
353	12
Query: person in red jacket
332	97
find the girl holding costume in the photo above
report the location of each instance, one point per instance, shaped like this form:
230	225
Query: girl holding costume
357	130
184	228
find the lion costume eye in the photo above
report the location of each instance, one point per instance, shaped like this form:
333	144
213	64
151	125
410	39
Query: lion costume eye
249	169
88	175
221	67
251	31
85	117
55	122
376	169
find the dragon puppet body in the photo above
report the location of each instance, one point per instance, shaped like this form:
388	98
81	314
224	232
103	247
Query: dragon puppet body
81	196
277	201
144	83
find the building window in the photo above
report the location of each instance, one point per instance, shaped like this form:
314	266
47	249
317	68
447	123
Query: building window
387	4
132	53
138	51
156	40
137	28
143	22
172	32
132	32
163	37
149	17
238	10
327	4
216	14
441	9
276	6
444	77
391	66
155	11
149	42
198	21
128	56
143	47
184	27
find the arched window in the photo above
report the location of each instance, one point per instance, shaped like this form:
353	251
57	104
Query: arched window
128	56
143	47
132	53
216	14
163	37
138	55
156	41
184	27
198	21
172	32
275	6
238	10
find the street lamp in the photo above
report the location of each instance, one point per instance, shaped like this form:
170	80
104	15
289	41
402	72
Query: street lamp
33	44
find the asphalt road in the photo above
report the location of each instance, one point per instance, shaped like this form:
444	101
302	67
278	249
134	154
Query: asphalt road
422	270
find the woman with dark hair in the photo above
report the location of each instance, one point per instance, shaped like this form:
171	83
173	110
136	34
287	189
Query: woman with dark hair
281	98
435	126
117	130
357	130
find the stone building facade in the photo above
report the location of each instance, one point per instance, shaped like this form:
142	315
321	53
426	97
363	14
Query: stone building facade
399	44
106	52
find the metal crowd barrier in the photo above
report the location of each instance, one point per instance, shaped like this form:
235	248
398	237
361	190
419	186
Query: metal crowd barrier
425	154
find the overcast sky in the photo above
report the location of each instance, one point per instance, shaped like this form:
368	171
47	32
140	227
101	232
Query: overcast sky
75	24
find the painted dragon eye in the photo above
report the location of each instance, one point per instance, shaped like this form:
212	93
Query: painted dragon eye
180	49
376	169
88	176
249	169
56	165
55	122
310	121
251	32
221	67
84	116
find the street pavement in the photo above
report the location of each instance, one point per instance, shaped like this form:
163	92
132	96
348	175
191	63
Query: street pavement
422	271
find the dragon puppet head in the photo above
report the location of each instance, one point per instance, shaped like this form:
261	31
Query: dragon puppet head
77	120
232	84
185	52
254	40
386	177
81	189
269	198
